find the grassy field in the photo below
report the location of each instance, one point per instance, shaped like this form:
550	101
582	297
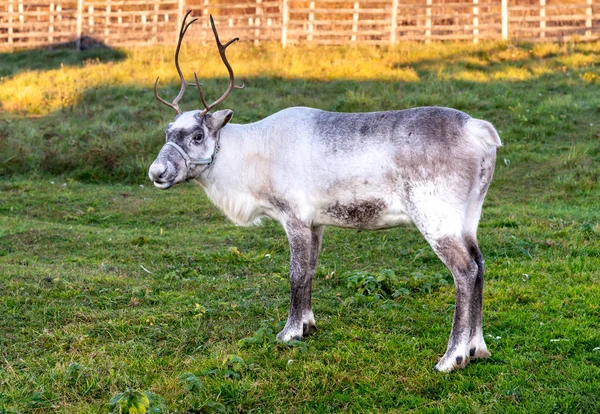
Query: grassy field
110	287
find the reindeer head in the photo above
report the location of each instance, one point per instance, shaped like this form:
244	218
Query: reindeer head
192	139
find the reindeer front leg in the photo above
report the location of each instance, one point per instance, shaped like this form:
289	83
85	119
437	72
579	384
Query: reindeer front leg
308	318
300	239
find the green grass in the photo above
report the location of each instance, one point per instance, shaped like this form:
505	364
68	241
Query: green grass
107	284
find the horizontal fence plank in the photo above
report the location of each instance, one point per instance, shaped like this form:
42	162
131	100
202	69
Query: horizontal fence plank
576	17
241	6
338	22
536	8
129	3
341	2
565	29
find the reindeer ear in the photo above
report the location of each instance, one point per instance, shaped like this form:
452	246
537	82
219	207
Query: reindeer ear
220	118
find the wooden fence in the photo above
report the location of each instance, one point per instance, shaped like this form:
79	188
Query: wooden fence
38	23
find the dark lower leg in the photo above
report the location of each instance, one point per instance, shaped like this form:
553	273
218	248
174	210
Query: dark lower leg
308	321
453	252
300	239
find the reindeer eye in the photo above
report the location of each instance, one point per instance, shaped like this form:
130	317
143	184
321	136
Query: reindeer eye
198	136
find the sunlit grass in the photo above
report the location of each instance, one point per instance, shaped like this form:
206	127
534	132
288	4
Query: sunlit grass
39	92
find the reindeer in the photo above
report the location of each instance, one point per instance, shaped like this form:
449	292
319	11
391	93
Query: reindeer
308	168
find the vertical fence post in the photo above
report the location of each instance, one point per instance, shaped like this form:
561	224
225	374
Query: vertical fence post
257	22
504	19
542	19
394	22
155	21
269	28
79	24
107	22
206	24
51	22
59	14
311	19
284	23
21	17
91	18
588	18
475	21
10	21
428	22
355	21
179	17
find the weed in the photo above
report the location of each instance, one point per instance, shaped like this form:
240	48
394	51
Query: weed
135	402
191	382
263	336
370	285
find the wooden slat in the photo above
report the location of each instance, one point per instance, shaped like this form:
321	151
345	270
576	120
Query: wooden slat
240	5
556	29
578	17
117	3
535	8
340	11
339	33
346	2
339	22
33	35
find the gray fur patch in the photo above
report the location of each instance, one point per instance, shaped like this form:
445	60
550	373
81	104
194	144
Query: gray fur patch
180	135
282	206
454	254
356	213
421	127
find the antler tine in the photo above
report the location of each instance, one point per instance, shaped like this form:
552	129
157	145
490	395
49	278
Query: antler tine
184	28
184	84
201	93
158	98
232	84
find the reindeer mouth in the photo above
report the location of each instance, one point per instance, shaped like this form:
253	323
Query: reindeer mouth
163	185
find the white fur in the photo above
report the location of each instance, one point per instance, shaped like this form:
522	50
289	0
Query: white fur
484	132
186	120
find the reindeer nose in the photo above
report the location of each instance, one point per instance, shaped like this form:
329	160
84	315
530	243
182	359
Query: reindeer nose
158	171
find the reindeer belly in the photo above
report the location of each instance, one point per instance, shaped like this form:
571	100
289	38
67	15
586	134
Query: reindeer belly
369	213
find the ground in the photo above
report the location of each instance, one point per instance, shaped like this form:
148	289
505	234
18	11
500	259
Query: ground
107	284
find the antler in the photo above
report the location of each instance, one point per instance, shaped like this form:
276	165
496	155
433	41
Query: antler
184	83
232	84
174	104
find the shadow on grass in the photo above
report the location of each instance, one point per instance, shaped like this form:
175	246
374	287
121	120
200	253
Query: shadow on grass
112	133
55	56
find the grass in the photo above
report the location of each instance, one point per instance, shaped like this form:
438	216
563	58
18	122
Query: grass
108	285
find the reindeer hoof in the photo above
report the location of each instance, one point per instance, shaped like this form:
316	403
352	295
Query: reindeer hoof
449	363
308	329
289	334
